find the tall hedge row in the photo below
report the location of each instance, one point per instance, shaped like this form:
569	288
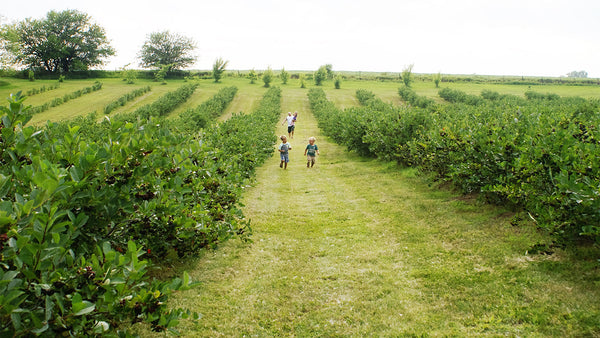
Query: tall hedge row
541	156
84	216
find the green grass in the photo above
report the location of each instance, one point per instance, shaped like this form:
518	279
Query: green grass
428	89
246	99
356	247
248	95
111	90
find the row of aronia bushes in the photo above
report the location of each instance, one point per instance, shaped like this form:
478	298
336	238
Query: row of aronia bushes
85	215
65	98
42	89
166	103
123	100
539	154
209	110
411	97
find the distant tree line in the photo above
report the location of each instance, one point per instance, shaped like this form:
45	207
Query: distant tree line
578	74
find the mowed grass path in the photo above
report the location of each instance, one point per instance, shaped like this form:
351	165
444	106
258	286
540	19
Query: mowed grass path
356	247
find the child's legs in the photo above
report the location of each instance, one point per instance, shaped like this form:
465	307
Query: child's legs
285	158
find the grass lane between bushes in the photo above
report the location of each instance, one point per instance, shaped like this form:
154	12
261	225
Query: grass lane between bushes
356	247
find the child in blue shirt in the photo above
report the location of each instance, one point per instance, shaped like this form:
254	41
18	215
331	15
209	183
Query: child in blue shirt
284	149
311	151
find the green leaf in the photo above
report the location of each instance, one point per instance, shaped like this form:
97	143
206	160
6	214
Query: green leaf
5	220
85	307
6	206
77	298
59	301
76	173
106	248
101	326
186	279
41	329
9	275
172	323
5	185
80	220
49	307
16	320
12	295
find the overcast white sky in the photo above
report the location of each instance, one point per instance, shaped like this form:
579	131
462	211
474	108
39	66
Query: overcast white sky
503	37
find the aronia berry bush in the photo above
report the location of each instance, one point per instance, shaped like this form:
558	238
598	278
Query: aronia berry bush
538	153
84	216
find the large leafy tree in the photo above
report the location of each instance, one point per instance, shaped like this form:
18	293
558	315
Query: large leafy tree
166	48
62	42
8	44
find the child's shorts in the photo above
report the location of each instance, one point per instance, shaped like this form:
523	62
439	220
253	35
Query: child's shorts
311	158
285	157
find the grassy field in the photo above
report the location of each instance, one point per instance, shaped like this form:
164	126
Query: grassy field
356	247
247	95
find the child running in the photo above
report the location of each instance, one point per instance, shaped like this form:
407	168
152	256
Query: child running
311	151
284	149
290	123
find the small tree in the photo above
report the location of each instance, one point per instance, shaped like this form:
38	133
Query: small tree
161	74
320	75
302	82
219	69
407	75
267	77
337	82
329	69
31	75
437	78
284	76
129	75
252	76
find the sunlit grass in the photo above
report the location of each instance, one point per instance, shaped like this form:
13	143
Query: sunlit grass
356	247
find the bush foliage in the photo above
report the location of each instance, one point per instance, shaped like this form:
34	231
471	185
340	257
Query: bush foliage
410	96
42	89
65	98
85	209
201	116
166	103
121	101
539	154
